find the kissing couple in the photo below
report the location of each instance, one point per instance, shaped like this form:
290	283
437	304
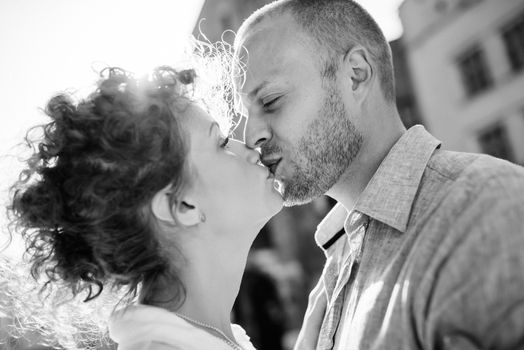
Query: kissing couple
138	188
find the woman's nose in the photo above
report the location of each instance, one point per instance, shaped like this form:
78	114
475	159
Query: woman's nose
240	149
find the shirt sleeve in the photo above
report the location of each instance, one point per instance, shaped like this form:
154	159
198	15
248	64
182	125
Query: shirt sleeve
478	296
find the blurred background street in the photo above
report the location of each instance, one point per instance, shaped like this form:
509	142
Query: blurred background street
459	69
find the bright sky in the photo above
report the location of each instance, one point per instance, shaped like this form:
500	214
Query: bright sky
49	46
385	13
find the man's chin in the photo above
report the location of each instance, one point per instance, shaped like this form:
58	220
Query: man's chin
293	198
294	201
300	193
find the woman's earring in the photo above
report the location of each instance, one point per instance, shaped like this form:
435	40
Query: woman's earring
202	217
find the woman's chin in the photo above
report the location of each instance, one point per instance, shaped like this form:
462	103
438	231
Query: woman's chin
276	206
273	207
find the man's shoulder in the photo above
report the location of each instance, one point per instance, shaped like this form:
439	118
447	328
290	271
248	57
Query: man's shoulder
476	238
474	171
477	187
457	187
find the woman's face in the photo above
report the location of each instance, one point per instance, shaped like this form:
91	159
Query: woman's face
232	189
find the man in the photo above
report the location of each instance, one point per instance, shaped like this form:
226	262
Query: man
432	254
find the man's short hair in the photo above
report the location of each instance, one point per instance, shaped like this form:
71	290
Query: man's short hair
335	26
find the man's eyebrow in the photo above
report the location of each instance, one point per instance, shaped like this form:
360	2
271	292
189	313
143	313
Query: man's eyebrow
256	90
212	126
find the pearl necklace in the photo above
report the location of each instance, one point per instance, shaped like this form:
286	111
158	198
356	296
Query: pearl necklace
222	336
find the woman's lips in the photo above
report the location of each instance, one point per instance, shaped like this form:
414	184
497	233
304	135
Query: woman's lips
271	177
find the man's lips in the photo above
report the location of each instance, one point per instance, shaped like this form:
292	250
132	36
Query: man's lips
272	164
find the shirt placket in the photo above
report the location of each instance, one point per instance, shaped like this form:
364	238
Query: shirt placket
337	275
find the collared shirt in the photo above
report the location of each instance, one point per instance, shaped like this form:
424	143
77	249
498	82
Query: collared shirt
442	259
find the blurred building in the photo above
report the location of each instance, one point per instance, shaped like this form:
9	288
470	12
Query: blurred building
407	104
467	62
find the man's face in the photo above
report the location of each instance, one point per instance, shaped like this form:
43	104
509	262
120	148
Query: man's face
297	118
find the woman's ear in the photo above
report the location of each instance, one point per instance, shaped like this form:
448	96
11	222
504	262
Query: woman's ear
187	212
183	211
161	207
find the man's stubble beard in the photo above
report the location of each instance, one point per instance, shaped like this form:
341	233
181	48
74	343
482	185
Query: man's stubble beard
323	154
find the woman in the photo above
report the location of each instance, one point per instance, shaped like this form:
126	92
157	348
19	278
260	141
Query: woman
136	188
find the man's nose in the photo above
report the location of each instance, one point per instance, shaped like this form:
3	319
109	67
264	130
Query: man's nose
240	149
257	131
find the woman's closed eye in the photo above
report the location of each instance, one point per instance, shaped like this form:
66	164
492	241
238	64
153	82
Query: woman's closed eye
223	141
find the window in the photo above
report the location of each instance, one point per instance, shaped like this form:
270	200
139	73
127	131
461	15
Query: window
513	36
494	141
474	71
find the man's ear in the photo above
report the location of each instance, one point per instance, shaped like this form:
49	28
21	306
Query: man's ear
360	71
183	211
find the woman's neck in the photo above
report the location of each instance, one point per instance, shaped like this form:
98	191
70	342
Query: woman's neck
211	276
212	281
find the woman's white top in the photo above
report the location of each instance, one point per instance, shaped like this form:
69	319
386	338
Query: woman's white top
142	327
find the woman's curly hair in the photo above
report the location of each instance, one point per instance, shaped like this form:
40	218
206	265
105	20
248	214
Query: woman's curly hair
82	202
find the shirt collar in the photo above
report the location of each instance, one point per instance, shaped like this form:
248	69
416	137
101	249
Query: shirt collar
389	195
331	225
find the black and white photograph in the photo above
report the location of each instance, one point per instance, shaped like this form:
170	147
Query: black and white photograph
262	175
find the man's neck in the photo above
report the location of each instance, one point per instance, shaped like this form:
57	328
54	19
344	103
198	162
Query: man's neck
373	151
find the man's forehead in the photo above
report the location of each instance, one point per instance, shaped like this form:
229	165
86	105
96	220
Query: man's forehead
266	61
269	39
261	75
264	27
